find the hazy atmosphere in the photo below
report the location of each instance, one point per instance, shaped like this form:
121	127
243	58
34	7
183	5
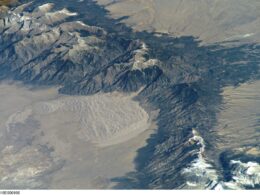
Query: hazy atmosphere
130	94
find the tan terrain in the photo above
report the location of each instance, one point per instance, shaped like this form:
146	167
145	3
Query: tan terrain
209	20
74	141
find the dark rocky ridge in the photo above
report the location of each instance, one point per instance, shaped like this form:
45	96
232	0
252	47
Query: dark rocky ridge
185	83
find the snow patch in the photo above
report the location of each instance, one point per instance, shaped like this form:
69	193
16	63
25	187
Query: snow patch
140	61
248	35
46	7
67	12
247	174
200	173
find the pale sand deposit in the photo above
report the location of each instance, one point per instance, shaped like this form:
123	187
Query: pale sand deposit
78	141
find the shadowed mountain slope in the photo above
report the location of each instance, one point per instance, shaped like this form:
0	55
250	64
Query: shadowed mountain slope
76	46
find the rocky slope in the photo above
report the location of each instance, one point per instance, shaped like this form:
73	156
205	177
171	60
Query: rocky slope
85	52
59	51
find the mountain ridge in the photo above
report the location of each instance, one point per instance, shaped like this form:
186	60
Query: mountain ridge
184	82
